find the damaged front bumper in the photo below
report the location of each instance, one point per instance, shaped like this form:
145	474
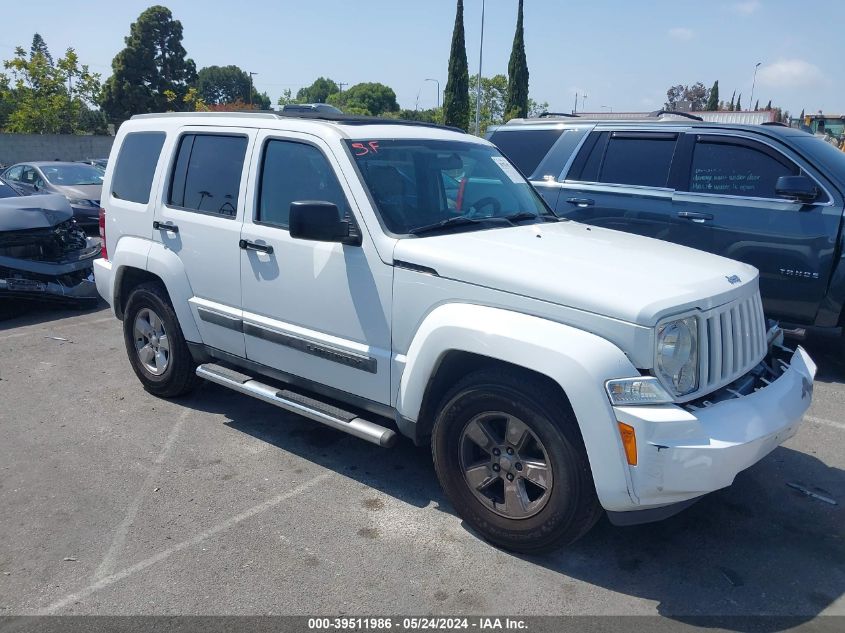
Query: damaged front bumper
687	452
69	279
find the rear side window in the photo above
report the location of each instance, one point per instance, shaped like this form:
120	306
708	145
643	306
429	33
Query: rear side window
207	174
638	159
737	169
294	172
525	148
136	165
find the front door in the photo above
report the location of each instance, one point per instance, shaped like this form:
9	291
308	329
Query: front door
200	221
727	205
316	310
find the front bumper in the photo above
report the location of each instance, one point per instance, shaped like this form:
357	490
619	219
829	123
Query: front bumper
684	453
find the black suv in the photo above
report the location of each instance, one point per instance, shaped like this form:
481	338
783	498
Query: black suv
767	195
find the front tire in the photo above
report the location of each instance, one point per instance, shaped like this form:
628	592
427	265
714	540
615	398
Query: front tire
155	344
510	458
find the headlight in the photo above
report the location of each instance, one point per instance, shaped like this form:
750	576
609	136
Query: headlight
81	202
677	355
641	390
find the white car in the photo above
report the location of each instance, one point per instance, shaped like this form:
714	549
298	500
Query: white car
380	275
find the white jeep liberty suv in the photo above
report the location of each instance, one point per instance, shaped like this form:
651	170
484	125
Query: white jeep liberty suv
375	275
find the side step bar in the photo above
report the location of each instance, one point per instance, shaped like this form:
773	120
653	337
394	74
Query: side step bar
327	414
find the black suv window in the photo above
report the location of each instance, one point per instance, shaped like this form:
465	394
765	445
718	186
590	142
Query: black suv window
737	168
525	148
638	159
136	166
292	172
207	174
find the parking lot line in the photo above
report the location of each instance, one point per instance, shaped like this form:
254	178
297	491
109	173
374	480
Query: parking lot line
833	423
195	540
122	530
42	327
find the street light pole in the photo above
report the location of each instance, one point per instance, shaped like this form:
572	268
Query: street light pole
251	89
437	81
753	83
478	86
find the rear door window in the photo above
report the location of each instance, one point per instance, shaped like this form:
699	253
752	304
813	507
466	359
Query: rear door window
525	148
136	166
14	174
207	174
737	167
641	159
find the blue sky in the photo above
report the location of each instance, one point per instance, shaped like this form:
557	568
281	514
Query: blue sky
623	55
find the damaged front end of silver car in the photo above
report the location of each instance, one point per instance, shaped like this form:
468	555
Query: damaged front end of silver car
44	254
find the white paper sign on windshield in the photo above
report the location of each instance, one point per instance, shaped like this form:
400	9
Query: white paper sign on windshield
509	169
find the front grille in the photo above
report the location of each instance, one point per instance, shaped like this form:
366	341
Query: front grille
733	342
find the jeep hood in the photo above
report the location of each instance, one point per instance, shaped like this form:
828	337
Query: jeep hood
629	277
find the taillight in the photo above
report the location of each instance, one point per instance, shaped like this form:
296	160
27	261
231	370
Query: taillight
103	250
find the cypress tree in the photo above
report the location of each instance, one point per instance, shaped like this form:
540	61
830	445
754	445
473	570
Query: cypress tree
769	106
456	94
516	101
739	103
40	46
713	98
733	99
756	105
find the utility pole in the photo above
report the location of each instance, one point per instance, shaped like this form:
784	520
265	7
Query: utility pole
478	86
753	83
251	88
575	111
437	81
341	84
584	103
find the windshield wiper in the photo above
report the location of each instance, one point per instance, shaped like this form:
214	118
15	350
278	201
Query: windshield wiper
527	215
458	220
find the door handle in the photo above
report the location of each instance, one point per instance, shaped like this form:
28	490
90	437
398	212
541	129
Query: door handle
165	226
694	216
581	202
253	246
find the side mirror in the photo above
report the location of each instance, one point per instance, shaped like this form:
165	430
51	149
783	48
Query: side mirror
320	222
797	188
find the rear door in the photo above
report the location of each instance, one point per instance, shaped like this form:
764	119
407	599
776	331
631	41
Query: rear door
620	180
200	220
726	204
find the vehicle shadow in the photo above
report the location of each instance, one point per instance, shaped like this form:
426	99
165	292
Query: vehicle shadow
756	548
19	312
829	354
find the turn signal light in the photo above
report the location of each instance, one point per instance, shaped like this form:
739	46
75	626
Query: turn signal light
629	441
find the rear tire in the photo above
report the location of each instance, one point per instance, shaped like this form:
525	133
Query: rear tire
155	344
532	489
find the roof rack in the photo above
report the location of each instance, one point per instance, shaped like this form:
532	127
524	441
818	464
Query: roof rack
658	113
356	119
345	119
544	115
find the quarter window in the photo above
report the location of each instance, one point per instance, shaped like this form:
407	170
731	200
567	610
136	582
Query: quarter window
642	160
737	169
293	172
136	166
207	174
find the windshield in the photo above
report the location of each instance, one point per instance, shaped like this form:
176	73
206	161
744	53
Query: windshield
72	175
416	184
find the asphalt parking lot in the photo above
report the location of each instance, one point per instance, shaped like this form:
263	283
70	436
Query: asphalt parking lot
115	502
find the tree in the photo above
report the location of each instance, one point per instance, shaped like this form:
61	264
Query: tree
493	98
802	116
318	92
756	105
697	94
48	98
456	95
739	103
713	98
40	46
366	98
154	62
516	101
220	85
286	98
769	106
733	98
